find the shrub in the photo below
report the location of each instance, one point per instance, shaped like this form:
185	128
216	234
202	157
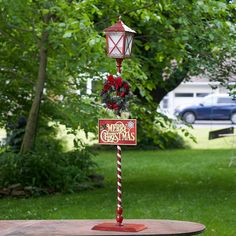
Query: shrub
49	169
161	133
162	139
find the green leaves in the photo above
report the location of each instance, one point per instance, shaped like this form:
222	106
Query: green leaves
67	34
194	34
74	47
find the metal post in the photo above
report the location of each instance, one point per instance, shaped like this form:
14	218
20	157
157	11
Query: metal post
119	210
119	64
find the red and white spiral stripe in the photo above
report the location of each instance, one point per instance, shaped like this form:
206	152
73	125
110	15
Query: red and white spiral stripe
119	217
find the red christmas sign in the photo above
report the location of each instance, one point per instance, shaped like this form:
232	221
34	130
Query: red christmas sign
117	132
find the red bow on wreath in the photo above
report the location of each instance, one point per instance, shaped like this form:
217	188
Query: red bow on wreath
115	94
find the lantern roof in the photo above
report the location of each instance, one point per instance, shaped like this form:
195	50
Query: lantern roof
119	27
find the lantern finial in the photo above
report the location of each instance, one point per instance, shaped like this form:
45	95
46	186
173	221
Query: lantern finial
119	18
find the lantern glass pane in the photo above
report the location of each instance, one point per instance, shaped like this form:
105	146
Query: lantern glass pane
128	45
115	44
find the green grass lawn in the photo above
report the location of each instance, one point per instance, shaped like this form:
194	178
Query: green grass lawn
202	134
191	185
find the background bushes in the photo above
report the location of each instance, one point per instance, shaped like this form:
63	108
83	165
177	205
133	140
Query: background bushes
48	169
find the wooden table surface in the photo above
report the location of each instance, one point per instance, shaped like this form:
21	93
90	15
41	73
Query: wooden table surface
83	227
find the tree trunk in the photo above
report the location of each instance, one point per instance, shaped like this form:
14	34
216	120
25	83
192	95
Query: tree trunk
31	127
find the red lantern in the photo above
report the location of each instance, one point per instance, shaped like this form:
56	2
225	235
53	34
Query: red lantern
119	39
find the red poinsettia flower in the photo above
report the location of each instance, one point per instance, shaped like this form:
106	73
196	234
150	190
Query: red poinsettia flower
126	85
109	105
118	82
122	94
115	106
106	87
110	79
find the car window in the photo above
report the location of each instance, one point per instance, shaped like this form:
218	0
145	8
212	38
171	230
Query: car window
209	101
225	100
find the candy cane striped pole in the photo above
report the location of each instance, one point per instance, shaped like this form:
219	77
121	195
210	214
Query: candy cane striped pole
119	210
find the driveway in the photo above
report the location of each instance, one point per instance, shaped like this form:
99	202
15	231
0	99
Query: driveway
210	124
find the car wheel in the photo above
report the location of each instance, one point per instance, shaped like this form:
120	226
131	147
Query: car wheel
233	118
189	117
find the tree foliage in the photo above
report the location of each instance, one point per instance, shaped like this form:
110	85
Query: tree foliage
72	47
175	39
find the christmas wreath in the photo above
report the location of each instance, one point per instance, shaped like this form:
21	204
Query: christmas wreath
115	93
